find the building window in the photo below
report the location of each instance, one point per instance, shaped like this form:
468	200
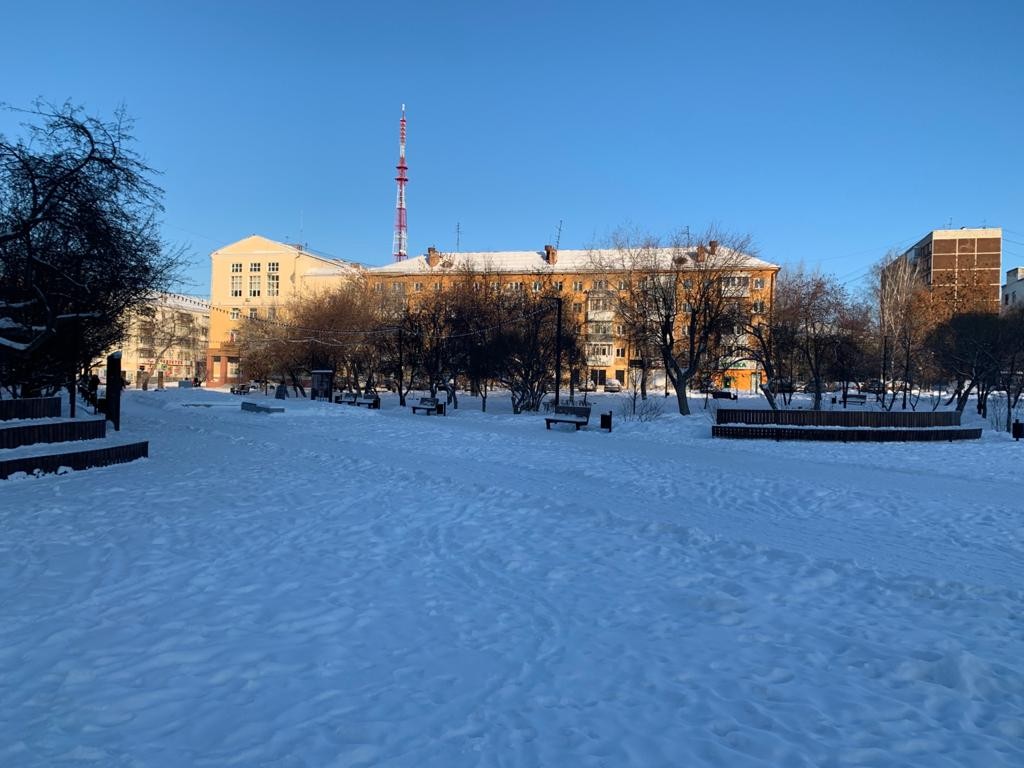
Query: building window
232	366
620	351
378	287
515	287
757	307
235	313
417	287
600	304
559	285
600	285
253	313
577	306
536	286
254	285
236	285
577	285
620	329
687	284
437	287
623	285
273	285
236	268
398	288
273	267
254	266
758	283
215	366
272	313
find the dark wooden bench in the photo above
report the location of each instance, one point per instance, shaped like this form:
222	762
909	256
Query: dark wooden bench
260	408
370	401
722	394
856	397
579	415
426	404
346	398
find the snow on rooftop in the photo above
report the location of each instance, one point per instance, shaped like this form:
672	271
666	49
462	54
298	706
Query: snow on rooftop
567	261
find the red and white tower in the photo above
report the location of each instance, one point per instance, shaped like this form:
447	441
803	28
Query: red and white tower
400	246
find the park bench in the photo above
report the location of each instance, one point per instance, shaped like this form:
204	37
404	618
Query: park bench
260	408
426	404
578	415
240	389
723	394
856	397
346	398
370	401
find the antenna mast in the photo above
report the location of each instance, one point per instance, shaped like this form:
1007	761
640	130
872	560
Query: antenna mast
400	246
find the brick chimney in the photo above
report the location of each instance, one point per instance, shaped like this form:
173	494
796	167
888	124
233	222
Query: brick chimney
701	252
712	247
550	254
433	257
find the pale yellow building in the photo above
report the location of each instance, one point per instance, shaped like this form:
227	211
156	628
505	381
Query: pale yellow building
168	335
252	279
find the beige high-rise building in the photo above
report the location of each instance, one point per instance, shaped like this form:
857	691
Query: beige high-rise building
252	279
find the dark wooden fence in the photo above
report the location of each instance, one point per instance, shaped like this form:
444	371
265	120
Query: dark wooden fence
847	435
52	432
30	408
874	419
98	457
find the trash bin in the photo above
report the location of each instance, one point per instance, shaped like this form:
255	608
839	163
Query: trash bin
440	409
1018	429
606	421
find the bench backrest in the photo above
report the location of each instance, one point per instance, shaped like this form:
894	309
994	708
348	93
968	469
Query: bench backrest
583	411
431	401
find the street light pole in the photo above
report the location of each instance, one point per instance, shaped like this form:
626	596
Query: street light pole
558	349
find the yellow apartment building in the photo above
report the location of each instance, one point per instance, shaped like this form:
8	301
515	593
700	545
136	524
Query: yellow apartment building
590	282
253	278
169	334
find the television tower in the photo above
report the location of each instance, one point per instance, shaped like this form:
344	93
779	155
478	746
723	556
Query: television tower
400	247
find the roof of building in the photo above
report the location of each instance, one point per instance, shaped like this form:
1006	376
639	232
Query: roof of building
567	262
258	245
182	301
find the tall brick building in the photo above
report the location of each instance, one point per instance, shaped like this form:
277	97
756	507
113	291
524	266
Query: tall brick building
962	265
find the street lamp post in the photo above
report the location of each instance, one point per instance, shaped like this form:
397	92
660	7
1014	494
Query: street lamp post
558	347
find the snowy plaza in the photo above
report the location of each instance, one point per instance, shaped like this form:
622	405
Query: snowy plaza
335	586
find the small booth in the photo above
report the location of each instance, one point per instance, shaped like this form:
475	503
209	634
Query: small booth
322	386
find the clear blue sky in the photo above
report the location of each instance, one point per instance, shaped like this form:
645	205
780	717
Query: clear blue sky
829	132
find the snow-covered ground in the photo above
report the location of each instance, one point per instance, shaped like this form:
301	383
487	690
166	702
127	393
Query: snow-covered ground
334	586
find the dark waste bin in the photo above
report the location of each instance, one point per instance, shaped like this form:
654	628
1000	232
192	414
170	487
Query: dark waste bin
440	409
1018	429
606	421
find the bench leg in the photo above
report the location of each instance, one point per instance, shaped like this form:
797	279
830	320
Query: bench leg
547	423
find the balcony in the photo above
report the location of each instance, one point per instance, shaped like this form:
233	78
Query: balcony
599	361
601	315
596	337
736	291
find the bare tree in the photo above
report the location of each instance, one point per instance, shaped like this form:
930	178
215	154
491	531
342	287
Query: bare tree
79	244
680	298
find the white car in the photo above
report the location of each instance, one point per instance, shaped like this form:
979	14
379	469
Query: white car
613	385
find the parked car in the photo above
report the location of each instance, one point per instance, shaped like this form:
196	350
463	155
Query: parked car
781	386
873	387
588	385
613	385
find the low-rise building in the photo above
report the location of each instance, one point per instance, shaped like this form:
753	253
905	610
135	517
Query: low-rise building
168	335
1013	290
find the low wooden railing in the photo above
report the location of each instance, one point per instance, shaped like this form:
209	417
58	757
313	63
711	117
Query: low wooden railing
874	419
